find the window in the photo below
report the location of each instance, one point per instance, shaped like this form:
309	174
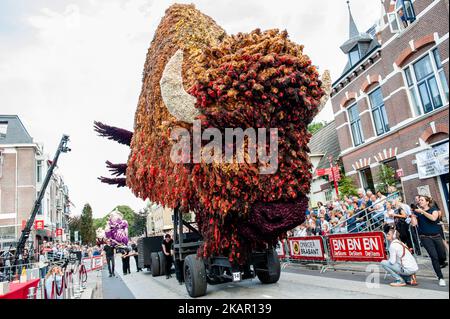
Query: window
355	125
1	165
403	15
354	55
3	129
427	83
379	112
328	195
367	179
39	171
440	70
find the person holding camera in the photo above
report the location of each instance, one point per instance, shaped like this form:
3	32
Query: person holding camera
401	264
426	218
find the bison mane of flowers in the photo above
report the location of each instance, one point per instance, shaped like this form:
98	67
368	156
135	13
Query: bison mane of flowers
254	80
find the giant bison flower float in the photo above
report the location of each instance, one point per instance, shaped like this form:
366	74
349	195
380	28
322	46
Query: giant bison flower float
196	73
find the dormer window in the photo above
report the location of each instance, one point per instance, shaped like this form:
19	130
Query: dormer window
3	129
354	55
403	15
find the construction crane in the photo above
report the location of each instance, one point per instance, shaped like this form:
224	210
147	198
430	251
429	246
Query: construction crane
37	204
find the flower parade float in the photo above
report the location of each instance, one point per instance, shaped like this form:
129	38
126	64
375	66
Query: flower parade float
196	76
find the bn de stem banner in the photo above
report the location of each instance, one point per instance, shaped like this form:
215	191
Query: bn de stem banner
360	247
306	248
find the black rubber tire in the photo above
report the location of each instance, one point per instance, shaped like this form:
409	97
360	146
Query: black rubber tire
275	268
155	265
195	276
162	263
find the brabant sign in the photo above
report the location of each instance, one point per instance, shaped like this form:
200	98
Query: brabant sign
306	248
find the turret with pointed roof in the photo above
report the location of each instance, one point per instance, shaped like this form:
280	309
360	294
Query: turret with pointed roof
358	44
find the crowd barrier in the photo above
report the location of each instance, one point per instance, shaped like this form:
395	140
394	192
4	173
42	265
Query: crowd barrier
327	250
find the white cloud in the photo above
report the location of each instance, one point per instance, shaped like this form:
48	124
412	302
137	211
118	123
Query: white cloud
85	62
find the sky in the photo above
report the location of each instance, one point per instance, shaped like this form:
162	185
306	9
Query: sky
65	64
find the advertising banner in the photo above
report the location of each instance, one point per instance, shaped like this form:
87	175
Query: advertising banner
97	263
87	262
433	162
306	248
280	249
360	247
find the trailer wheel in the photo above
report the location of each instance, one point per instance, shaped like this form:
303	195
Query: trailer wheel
273	272
162	263
195	276
155	265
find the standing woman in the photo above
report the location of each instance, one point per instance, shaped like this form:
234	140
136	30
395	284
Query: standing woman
426	219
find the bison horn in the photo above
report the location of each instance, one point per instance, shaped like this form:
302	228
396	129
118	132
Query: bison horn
178	102
326	86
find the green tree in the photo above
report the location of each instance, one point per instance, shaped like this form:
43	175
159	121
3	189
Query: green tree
74	225
347	187
386	178
139	224
315	127
87	231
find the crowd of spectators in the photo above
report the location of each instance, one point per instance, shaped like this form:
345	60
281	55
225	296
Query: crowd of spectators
43	257
365	212
349	214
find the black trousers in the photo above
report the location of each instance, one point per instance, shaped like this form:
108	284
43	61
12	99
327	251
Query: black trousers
168	264
111	264
137	263
126	265
436	250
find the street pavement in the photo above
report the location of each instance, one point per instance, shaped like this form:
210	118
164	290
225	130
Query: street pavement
115	287
296	282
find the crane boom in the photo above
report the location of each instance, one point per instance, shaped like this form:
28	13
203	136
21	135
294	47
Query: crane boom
37	204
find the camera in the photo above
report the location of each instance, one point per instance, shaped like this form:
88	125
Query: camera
413	206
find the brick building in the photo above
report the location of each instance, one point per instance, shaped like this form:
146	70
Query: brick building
23	166
391	102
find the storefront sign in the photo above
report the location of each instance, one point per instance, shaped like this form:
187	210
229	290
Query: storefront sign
433	162
59	231
38	224
360	247
306	248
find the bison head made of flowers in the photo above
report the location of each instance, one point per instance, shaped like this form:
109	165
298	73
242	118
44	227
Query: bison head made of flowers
196	73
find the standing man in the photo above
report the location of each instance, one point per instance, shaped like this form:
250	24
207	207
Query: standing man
167	247
134	247
109	253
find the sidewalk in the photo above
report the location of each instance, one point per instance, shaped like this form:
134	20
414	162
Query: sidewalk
93	286
425	267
